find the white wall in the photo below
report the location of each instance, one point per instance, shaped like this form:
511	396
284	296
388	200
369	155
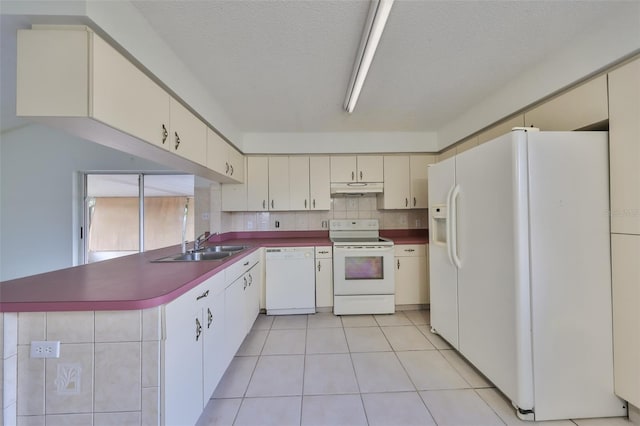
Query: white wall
39	197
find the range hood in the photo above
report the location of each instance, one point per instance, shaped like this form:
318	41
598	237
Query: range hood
356	189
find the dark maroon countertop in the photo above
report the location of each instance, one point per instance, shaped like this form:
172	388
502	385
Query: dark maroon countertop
133	282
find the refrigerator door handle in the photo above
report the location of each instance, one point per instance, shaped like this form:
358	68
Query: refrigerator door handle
454	226
448	225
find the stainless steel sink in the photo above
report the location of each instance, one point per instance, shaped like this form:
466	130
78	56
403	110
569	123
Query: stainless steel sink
224	249
208	253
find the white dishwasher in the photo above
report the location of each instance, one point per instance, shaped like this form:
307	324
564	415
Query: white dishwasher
290	281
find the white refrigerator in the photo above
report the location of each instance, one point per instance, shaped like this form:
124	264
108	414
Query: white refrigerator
520	269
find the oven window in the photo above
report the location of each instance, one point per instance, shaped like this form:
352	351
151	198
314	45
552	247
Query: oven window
363	268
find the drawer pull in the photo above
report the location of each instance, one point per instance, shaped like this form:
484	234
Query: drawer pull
203	295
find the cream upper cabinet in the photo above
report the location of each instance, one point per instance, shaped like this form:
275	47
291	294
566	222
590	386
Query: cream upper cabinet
625	252
361	168
575	109
411	274
279	183
405	182
319	183
370	168
257	183
418	168
126	98
624	148
501	129
299	183
397	192
234	195
187	134
236	164
224	159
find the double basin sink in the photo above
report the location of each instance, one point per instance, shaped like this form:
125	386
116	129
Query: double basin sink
206	253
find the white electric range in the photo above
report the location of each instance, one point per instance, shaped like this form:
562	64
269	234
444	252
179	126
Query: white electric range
363	275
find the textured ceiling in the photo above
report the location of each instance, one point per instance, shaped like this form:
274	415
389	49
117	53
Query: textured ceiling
284	66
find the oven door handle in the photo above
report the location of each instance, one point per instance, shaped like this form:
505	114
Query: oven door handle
351	249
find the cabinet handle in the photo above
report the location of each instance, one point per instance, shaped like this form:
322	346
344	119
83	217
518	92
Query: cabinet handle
250	279
203	295
314	203
360	174
209	318
231	170
414	201
409	250
245	283
318	266
246	263
198	329
272	204
398	263
165	134
305	203
323	252
353	175
226	170
264	205
406	202
177	141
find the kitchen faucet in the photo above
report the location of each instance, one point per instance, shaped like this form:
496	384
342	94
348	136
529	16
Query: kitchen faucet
201	239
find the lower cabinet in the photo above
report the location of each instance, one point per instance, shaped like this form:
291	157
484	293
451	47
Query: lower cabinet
187	353
411	274
203	330
324	277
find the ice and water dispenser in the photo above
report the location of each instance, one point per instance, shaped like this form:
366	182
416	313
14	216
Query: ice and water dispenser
438	228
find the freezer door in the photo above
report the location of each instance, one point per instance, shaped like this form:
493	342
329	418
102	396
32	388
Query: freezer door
491	329
443	275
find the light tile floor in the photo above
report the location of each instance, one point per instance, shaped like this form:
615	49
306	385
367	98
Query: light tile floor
357	370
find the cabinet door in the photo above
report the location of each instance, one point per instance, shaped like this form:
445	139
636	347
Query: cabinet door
127	99
236	163
419	191
370	168
343	168
299	183
253	295
234	196
235	314
214	361
217	153
319	183
411	280
188	135
624	148
625	252
257	183
183	397
396	182
580	107
279	183
324	282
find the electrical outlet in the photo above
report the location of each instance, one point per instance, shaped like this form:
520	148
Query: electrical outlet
45	349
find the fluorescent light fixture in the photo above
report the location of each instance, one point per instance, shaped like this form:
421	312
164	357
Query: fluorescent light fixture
378	14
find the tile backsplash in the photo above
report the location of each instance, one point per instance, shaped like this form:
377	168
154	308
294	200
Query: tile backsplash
341	208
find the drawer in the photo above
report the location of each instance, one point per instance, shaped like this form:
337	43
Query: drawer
324	252
410	250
